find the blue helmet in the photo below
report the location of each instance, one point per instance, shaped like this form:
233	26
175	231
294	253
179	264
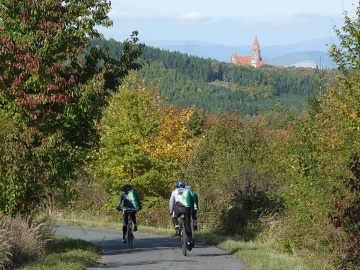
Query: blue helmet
180	184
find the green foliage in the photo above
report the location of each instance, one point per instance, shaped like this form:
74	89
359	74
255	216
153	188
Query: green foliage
243	89
127	121
319	164
228	169
344	108
16	166
142	142
307	169
213	86
53	91
346	54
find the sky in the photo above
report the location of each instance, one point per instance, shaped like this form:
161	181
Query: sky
227	22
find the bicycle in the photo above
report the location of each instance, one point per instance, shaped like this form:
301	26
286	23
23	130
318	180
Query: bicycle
129	229
185	244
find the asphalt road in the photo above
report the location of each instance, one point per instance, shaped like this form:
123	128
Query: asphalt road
150	252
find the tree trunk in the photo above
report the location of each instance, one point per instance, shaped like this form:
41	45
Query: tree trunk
50	202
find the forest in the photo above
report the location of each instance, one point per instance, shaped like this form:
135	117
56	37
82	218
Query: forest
213	86
274	152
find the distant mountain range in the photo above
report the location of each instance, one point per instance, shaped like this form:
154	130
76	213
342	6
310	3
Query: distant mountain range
311	53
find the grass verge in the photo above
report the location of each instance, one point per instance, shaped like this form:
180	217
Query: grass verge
66	253
258	255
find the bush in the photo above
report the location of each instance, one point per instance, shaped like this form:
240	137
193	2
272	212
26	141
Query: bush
21	240
5	255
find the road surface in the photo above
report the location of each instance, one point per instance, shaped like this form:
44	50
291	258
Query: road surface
150	252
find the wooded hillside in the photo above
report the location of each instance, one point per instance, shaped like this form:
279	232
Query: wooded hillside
213	86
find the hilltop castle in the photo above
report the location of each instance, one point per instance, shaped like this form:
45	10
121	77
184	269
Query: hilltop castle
254	60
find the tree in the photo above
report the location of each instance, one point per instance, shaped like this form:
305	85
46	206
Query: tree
53	89
143	142
344	108
318	162
229	167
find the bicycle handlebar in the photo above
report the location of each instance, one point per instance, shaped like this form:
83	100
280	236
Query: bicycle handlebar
129	211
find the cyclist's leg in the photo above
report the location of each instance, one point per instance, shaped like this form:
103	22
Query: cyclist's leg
187	221
133	217
175	220
194	218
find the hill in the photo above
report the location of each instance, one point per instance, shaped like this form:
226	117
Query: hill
212	85
312	53
310	59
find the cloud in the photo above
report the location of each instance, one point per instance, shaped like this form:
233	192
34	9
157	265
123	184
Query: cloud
195	22
192	15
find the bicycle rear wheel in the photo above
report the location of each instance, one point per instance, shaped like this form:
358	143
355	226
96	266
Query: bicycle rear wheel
130	236
183	239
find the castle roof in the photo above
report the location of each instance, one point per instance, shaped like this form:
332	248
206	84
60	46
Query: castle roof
254	60
256	41
244	60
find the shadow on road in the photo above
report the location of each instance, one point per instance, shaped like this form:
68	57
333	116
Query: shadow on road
150	252
143	243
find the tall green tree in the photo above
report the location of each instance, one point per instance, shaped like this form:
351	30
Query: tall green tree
53	88
143	142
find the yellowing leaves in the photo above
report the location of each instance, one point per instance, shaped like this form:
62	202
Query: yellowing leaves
171	140
143	138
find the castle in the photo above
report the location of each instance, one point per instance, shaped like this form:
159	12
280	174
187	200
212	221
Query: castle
254	60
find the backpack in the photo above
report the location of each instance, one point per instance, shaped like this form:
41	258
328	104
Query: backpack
134	199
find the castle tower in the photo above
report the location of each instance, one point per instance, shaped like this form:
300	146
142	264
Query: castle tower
255	53
254	59
234	58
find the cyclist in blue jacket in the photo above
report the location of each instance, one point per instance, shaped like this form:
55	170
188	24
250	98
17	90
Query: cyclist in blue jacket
182	202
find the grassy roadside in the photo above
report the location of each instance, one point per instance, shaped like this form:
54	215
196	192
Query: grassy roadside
66	253
255	255
28	242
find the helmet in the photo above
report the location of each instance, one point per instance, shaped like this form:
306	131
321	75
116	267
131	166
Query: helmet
180	184
127	187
